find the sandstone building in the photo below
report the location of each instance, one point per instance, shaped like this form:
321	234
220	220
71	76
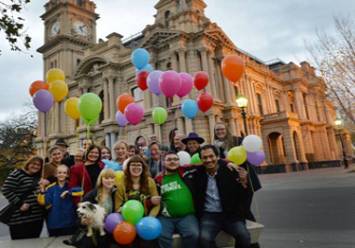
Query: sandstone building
287	107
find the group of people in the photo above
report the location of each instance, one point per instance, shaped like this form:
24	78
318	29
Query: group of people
197	201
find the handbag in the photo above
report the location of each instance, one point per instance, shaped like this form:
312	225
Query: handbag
6	212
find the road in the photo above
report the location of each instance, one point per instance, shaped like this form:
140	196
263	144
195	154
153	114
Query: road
310	209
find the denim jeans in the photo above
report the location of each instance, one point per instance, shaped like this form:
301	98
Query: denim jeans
212	223
186	226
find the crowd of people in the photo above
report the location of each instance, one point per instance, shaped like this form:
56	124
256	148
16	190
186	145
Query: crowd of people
197	201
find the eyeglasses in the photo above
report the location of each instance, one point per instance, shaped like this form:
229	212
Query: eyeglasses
171	159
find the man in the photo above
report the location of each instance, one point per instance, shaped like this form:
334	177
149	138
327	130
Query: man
67	158
177	205
154	161
193	143
221	194
178	145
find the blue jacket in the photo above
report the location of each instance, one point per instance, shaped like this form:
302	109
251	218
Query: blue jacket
61	212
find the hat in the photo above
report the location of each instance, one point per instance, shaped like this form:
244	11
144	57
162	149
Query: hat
193	136
61	142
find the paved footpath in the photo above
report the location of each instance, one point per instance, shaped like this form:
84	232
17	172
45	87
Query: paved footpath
309	209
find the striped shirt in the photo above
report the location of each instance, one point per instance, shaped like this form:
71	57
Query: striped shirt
17	183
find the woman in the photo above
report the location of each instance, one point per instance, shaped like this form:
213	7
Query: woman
79	156
21	188
86	144
121	151
172	135
106	153
193	143
224	140
85	174
141	146
55	158
154	162
132	150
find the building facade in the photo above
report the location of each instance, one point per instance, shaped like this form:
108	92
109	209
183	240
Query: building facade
287	106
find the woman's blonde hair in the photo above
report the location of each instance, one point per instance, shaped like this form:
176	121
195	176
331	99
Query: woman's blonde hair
105	173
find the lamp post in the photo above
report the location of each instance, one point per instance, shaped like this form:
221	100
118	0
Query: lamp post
242	103
338	124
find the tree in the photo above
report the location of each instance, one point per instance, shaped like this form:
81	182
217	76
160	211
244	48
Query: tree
12	24
334	55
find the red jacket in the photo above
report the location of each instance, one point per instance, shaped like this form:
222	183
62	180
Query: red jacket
76	177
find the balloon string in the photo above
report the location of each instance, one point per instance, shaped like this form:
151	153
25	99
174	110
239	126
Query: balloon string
255	200
88	131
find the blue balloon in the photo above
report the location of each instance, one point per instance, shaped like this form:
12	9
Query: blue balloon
148	68
149	228
140	58
189	108
110	164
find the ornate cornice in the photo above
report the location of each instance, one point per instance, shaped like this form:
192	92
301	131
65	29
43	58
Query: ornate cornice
59	39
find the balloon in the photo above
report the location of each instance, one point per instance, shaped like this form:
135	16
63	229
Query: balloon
36	86
55	74
195	159
189	108
124	233
121	119
159	115
153	82
132	211
149	228
43	100
252	143
71	108
170	83
201	80
256	158
140	58
134	113
90	106
233	67
186	84
111	221
123	100
148	68
238	155
141	79
59	90
184	158
204	101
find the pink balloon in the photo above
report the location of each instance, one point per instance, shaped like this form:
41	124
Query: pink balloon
134	113
170	83
186	84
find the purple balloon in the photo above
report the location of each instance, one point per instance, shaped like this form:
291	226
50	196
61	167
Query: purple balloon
121	119
186	84
111	221
256	158
170	83
153	82
43	100
134	113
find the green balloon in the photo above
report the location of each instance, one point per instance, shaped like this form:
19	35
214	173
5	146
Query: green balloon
159	115
90	106
132	211
195	159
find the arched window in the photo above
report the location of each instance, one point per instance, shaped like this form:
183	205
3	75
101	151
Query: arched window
166	16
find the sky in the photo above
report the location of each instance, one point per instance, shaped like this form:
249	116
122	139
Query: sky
267	29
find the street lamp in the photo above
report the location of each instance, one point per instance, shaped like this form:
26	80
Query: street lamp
339	124
242	103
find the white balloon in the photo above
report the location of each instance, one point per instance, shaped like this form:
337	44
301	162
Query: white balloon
184	158
252	143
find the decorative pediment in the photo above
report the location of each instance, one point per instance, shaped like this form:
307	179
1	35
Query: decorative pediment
159	37
217	35
90	65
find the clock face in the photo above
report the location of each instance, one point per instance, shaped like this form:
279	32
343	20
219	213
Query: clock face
80	28
55	28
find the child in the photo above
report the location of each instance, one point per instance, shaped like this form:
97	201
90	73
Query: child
57	199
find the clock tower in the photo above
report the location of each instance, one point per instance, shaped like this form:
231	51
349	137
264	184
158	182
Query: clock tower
70	26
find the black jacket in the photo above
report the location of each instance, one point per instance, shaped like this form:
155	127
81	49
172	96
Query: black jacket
68	160
234	198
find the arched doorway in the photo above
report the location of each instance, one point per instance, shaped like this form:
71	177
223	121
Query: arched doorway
276	148
297	145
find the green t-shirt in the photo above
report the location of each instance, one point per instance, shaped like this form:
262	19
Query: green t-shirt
176	197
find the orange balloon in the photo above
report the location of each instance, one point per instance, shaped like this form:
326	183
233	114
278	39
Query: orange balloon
233	67
123	100
36	86
124	233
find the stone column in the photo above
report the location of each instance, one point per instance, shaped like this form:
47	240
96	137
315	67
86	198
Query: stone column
211	72
299	104
180	125
188	126
211	124
111	99
205	67
232	126
173	61
112	139
106	100
108	140
182	60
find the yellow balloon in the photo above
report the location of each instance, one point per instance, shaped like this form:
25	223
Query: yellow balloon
55	74
71	108
59	90
238	155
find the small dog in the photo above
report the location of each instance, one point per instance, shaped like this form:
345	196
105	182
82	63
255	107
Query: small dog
93	216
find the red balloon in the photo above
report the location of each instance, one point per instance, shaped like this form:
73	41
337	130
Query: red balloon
233	67
38	85
204	101
124	233
201	80
142	80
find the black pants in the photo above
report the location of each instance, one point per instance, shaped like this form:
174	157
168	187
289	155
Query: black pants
26	230
61	231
